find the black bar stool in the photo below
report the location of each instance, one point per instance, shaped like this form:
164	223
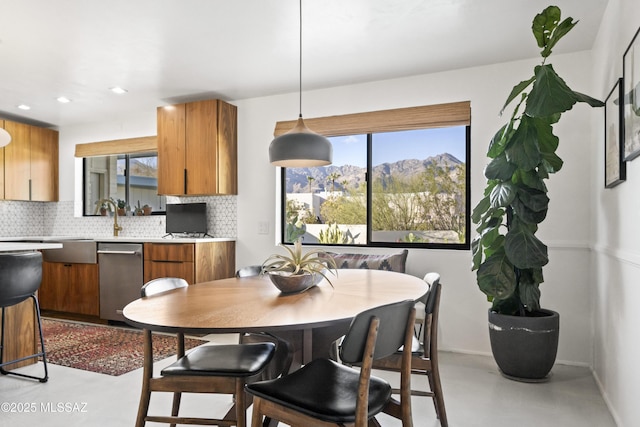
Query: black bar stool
20	278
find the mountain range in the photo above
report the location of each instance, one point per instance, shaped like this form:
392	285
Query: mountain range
352	177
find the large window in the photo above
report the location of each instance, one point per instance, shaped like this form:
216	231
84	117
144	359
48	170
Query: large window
129	178
406	188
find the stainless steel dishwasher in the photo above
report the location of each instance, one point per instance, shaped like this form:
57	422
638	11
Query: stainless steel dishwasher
120	267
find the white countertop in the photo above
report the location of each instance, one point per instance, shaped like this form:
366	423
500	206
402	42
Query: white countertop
27	246
123	239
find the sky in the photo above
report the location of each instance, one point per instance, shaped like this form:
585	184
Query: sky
393	146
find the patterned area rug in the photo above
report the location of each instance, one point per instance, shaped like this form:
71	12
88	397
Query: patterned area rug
103	349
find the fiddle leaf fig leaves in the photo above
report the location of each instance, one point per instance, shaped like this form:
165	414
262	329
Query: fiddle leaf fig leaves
524	150
502	195
523	248
499	168
523	154
550	94
529	289
496	277
517	90
547	31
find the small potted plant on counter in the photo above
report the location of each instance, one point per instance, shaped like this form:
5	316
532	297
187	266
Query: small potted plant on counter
121	207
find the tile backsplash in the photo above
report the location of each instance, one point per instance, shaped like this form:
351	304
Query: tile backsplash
57	219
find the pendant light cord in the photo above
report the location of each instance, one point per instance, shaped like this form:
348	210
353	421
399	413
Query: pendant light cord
300	79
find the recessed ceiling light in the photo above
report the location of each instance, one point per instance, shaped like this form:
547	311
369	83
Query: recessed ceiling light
63	99
118	90
24	107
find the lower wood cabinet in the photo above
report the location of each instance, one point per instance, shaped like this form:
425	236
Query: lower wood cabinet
194	262
70	288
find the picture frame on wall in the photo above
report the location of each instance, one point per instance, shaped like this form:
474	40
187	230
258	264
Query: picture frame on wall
631	79
615	168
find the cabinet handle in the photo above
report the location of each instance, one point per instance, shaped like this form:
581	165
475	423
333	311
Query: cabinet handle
67	265
185	181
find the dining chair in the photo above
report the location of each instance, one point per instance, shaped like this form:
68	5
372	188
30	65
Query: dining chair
20	278
221	369
327	393
424	353
283	358
249	271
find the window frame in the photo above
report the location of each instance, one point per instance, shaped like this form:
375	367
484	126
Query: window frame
127	158
412	118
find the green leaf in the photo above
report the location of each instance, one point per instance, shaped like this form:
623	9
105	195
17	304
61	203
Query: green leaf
517	89
535	200
482	206
502	195
560	31
544	23
499	141
499	168
530	179
509	306
529	289
523	248
551	162
550	94
547	141
523	150
528	215
476	252
581	97
496	277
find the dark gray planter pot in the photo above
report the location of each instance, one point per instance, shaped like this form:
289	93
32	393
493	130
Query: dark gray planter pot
525	347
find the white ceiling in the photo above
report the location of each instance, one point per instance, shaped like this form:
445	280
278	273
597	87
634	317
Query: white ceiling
167	51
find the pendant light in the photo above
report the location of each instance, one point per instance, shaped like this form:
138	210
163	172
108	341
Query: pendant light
300	147
5	138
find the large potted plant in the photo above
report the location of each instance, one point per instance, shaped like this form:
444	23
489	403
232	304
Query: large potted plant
507	255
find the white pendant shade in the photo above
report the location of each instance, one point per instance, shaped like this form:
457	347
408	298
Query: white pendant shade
5	138
300	147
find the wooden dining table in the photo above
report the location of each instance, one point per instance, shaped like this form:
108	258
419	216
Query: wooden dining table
253	304
309	320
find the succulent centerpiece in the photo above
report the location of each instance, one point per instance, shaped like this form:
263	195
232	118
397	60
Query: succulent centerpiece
296	271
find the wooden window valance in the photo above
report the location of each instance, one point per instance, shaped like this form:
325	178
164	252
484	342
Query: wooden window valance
429	116
117	146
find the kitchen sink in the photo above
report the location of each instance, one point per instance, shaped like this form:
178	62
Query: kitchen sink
76	251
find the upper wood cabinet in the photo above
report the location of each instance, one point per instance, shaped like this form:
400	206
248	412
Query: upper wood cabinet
197	148
31	163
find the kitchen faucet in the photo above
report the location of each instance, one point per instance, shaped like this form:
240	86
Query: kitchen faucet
116	227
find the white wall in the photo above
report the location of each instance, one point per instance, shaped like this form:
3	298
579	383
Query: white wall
615	264
464	308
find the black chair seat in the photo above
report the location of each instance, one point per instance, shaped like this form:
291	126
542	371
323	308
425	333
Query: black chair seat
333	395
235	360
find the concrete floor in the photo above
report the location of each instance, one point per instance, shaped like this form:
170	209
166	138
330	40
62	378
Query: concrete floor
475	395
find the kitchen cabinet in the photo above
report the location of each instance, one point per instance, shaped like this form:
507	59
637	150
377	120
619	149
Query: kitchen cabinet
197	148
194	262
31	163
70	288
